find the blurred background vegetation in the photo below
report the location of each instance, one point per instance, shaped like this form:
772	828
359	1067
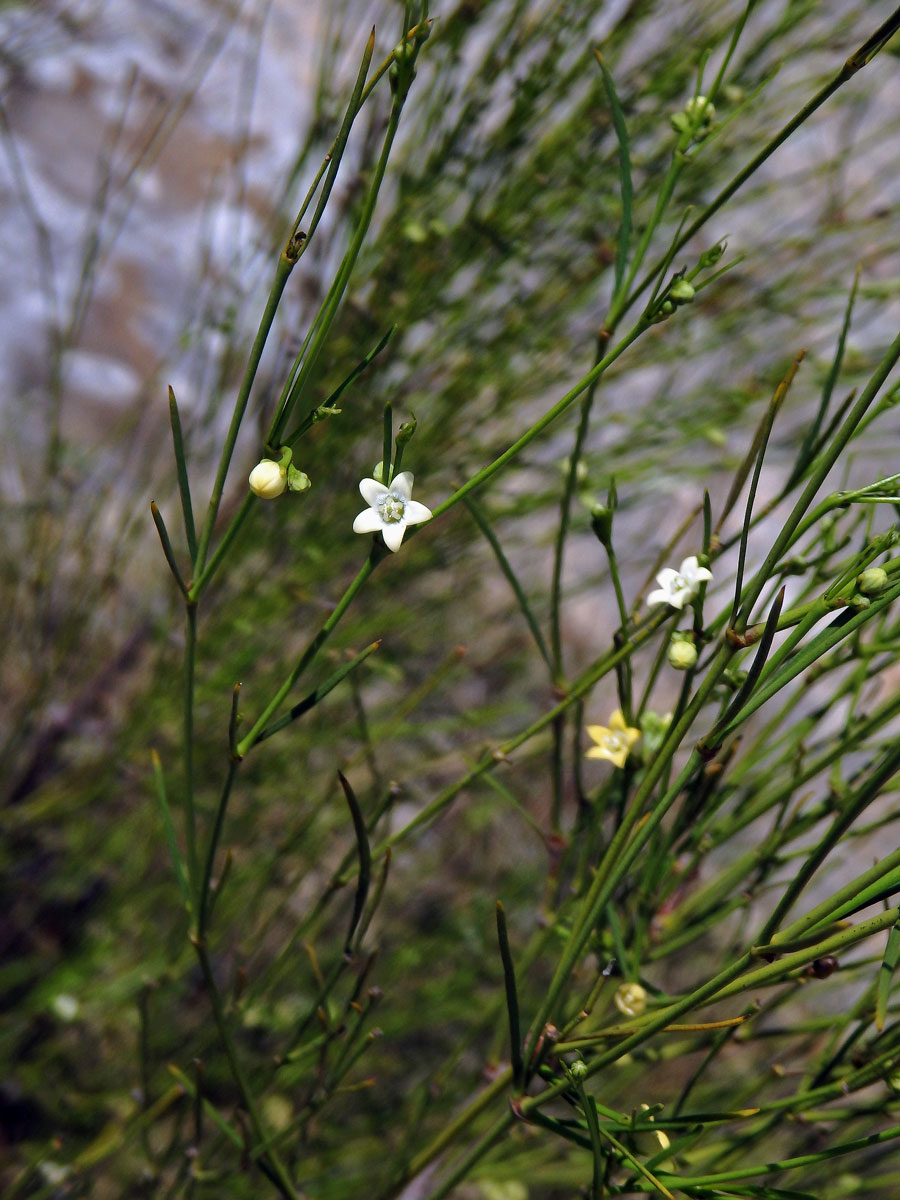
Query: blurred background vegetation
153	158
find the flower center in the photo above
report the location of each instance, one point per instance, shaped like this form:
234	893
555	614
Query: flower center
679	583
615	742
391	508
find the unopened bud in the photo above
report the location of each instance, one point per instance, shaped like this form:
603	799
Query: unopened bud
406	431
872	581
663	311
578	1069
268	479
681	291
710	257
297	481
682	652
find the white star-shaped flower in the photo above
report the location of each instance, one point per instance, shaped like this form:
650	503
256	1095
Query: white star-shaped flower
678	588
390	509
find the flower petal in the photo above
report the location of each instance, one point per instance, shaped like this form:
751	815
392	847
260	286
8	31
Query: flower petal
403	483
616	720
368	521
416	513
667	576
597	752
372	491
393	534
693	572
660	596
597	732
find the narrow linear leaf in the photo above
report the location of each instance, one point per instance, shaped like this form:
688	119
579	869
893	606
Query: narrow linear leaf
511	578
512	1000
209	1109
635	1162
365	860
233	721
885	974
760	438
806	451
184	486
167	547
359	368
320	692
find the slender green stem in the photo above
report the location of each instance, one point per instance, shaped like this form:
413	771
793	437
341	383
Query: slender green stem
190	656
221	809
250	739
327	313
277	1170
543	422
511	578
622	852
580	687
817	476
218	555
565	508
282	274
462	1168
853	64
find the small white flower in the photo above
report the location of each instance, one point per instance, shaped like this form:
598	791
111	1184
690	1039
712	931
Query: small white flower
53	1172
678	588
65	1006
390	509
268	479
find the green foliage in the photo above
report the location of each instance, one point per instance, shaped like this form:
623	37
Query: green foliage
271	956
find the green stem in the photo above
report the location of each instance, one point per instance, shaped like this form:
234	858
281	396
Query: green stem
218	556
579	688
277	1170
853	64
282	273
247	743
825	463
564	514
327	313
541	424
622	851
190	656
221	808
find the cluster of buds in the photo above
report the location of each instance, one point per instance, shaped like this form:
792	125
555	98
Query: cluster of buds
696	119
681	292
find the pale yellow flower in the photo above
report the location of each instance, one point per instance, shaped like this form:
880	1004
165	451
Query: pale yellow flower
661	1135
613	743
631	999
